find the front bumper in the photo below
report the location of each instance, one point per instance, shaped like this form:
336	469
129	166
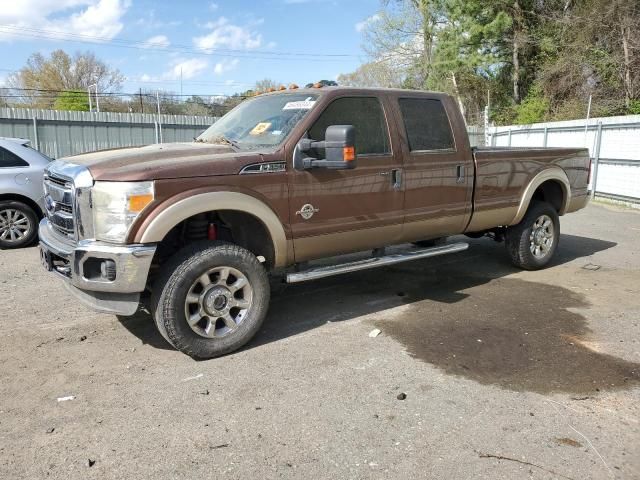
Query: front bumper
81	266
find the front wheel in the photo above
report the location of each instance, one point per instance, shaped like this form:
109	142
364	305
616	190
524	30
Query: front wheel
18	224
210	299
532	243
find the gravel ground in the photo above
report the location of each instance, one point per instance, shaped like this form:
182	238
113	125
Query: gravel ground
507	374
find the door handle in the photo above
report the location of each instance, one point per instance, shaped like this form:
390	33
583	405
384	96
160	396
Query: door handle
460	174
396	178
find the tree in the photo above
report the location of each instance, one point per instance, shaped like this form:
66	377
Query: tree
42	78
595	51
464	47
265	84
76	100
403	36
322	83
372	74
196	105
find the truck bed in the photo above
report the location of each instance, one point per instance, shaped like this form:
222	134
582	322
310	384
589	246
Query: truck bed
503	173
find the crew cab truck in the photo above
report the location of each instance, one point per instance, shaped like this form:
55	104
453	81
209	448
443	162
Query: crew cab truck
283	179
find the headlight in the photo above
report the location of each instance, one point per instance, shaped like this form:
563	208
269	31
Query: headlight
116	205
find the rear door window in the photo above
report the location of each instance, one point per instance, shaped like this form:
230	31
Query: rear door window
427	124
365	114
9	159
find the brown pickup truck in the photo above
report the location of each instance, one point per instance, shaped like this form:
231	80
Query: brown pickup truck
282	180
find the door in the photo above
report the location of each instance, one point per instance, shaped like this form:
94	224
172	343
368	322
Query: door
11	166
438	167
338	211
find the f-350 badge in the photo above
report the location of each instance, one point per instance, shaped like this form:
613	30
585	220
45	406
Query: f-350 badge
307	211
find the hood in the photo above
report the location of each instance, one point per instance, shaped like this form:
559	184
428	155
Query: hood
169	160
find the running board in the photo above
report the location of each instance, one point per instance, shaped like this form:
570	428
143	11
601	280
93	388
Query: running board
373	262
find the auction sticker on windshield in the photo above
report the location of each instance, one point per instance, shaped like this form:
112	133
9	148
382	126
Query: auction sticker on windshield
260	128
301	105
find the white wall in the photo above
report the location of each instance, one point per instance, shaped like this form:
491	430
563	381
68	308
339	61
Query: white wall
618	160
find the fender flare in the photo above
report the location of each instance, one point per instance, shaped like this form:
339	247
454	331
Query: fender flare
553	173
168	218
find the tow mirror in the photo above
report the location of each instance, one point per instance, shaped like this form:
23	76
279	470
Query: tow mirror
340	150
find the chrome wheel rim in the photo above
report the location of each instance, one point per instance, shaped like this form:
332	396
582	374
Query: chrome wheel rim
542	236
218	302
15	226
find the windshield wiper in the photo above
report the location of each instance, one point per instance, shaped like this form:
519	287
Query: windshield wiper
230	141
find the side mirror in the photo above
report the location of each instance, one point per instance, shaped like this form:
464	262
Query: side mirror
339	146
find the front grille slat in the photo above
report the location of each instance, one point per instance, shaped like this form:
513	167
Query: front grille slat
59	181
59	204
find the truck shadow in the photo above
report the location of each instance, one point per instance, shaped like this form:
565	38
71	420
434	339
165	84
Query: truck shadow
463	315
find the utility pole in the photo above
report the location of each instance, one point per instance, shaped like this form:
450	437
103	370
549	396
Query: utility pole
89	94
586	122
159	121
141	104
97	101
487	135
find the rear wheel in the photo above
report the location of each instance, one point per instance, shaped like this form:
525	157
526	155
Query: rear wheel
532	243
211	299
18	224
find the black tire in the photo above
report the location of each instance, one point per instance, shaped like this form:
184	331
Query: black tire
180	276
11	212
530	233
434	242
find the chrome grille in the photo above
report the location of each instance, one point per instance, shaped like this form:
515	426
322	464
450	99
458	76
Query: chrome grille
59	181
58	202
66	209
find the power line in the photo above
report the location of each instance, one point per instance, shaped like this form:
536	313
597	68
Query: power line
54	93
190	82
162	82
145	44
260	55
80	91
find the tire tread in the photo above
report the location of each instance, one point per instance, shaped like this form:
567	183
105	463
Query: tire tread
517	238
172	275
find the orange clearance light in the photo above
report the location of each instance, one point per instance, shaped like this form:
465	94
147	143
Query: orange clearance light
293	86
349	154
138	202
282	87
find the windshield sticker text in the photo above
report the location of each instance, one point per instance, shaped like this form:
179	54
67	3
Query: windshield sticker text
301	105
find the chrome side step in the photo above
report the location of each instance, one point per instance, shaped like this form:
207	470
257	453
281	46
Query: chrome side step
373	262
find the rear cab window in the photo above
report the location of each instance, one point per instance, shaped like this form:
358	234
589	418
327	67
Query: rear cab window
9	159
426	124
365	114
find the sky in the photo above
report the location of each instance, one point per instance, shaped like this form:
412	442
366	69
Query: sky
218	48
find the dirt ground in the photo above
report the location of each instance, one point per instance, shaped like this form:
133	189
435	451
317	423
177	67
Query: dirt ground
507	374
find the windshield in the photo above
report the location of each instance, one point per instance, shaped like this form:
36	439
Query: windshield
261	122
